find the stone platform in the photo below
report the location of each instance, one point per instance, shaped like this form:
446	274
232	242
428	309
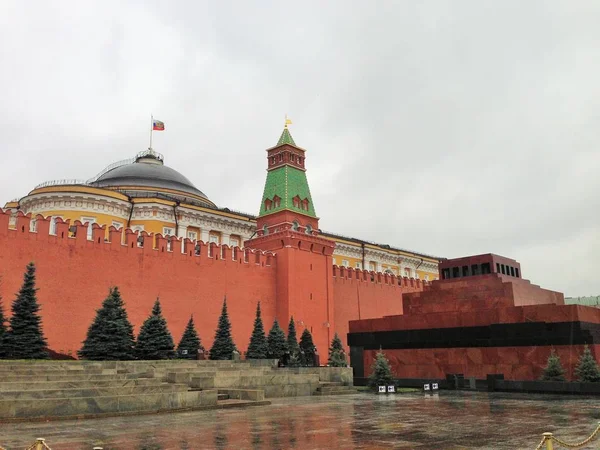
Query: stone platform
63	389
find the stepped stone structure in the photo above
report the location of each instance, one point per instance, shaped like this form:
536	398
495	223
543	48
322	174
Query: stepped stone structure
61	389
480	318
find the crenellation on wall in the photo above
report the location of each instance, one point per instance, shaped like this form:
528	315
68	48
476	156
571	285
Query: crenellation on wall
128	240
341	274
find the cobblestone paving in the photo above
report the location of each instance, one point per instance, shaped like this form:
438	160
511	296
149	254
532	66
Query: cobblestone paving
443	421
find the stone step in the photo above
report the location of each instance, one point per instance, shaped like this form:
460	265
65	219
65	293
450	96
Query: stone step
69	377
75	384
105	405
235	403
55	371
92	391
255	395
244	369
344	392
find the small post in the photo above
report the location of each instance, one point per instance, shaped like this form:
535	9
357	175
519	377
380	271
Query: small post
39	444
548	437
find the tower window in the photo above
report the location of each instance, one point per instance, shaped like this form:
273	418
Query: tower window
265	230
305	204
296	201
268	204
295	225
308	229
276	202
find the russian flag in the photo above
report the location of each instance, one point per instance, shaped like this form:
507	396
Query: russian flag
157	125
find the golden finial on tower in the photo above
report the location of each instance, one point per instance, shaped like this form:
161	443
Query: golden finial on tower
287	122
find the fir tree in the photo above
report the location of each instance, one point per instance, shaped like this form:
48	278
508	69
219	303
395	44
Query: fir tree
292	340
25	339
110	336
294	360
587	369
223	345
381	373
554	370
337	355
3	330
258	347
307	349
155	340
189	341
276	342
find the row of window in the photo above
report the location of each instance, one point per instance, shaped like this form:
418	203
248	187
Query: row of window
234	241
479	269
507	270
272	204
373	268
296	201
280	158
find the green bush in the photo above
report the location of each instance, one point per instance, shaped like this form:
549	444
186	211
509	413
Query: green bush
587	369
258	348
381	372
554	370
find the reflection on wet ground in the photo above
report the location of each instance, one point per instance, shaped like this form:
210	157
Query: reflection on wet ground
445	420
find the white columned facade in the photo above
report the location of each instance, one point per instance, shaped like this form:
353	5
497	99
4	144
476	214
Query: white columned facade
204	235
182	234
225	237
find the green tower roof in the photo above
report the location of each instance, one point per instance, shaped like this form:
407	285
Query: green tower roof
286	182
286	138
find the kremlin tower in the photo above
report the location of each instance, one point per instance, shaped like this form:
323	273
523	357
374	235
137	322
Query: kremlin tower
288	226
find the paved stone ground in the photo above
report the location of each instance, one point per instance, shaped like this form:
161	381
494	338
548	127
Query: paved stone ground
443	421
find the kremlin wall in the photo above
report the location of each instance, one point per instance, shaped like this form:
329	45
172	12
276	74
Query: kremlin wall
145	228
74	274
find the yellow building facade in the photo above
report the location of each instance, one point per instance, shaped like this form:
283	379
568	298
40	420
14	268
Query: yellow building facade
144	194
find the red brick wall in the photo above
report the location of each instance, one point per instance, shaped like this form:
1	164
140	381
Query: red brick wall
516	363
74	275
357	297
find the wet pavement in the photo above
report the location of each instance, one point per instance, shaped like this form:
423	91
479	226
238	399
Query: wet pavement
445	420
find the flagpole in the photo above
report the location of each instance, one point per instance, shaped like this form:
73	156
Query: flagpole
151	126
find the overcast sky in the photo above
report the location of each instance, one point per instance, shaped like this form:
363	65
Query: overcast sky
445	127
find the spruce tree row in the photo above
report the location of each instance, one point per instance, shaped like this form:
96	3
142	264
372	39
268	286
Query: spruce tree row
587	369
111	336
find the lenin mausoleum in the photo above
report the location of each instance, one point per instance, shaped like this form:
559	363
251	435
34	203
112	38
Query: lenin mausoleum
146	228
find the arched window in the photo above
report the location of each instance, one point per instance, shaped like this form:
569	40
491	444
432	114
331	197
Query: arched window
265	230
305	204
308	229
296	202
295	225
268	204
276	202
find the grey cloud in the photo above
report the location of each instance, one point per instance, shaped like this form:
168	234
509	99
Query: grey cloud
449	128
